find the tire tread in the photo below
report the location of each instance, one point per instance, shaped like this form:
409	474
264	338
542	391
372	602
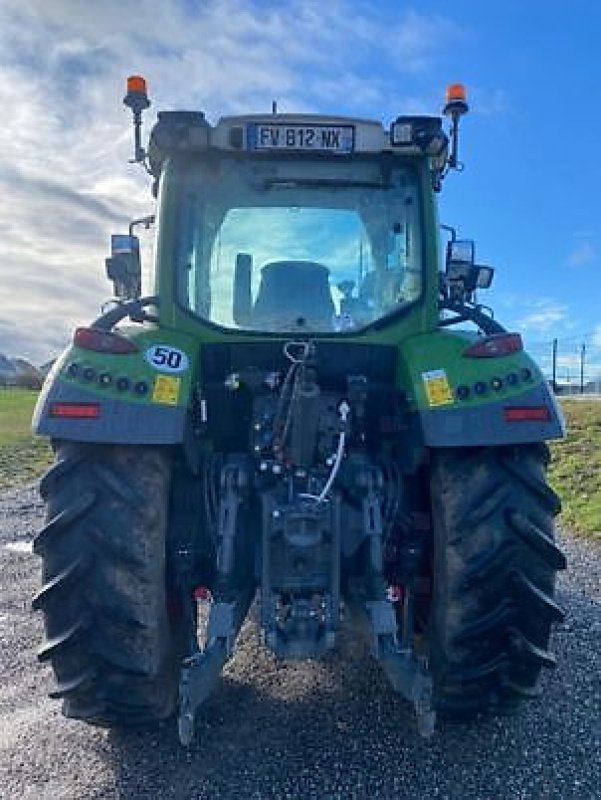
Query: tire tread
109	636
493	577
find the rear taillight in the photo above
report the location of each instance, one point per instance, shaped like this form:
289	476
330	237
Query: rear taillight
498	344
526	414
103	341
75	410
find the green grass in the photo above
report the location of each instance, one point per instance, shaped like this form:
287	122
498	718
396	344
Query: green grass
22	456
575	471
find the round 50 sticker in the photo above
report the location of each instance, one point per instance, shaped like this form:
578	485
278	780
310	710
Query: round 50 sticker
165	358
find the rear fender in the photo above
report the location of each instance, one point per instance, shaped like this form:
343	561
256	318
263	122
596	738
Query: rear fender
463	402
137	398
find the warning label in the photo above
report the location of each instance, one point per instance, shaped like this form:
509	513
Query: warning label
437	388
166	390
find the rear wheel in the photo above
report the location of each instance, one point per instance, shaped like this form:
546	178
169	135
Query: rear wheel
494	574
110	638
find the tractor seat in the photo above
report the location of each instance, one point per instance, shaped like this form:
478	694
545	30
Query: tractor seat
293	295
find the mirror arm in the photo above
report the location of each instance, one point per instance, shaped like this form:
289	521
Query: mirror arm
134	309
472	314
146	221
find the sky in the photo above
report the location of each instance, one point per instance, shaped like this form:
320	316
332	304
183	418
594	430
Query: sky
530	144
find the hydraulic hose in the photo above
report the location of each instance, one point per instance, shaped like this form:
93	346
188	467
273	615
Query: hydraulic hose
335	467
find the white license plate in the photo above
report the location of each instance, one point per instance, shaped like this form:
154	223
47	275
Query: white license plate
279	136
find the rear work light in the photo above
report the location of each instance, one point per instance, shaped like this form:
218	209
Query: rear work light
75	410
498	344
526	414
103	342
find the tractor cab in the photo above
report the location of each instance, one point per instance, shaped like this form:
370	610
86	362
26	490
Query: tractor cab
264	243
296	223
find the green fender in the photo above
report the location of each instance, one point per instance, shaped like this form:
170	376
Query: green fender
463	401
133	398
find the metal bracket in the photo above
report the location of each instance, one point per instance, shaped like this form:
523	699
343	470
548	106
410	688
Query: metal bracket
233	482
199	675
221	625
410	677
200	671
383	625
407	673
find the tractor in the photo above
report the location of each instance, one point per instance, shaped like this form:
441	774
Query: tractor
313	413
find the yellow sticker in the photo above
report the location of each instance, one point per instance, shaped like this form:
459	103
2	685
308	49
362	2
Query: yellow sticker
166	390
437	388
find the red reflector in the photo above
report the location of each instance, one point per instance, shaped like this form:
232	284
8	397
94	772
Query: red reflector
103	341
75	410
202	593
527	414
498	344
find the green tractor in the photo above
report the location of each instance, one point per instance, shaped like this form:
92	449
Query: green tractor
308	411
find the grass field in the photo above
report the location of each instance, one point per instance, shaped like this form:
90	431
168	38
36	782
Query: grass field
576	467
575	470
22	456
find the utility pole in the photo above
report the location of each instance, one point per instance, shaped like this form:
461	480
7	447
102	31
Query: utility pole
582	355
554	374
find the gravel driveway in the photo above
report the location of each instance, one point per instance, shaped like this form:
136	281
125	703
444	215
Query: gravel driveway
331	729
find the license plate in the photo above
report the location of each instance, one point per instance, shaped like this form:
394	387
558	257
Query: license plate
321	138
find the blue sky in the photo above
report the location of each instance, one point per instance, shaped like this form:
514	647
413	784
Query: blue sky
528	195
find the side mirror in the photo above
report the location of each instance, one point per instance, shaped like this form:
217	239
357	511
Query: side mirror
124	267
242	301
485	276
461	251
462	276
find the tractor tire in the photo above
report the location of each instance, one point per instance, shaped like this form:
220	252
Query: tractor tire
113	645
494	565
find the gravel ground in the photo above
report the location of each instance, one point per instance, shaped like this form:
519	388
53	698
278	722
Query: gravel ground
331	729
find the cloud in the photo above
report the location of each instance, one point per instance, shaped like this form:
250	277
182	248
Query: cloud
65	138
571	360
545	316
489	102
584	253
63	197
596	337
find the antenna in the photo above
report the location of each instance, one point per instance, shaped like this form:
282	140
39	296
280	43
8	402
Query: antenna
274	107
